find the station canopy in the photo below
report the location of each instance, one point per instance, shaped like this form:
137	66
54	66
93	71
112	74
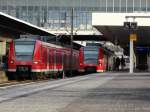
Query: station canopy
12	27
111	25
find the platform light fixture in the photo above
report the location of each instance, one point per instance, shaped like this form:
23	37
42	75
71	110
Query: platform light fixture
133	25
130	25
127	25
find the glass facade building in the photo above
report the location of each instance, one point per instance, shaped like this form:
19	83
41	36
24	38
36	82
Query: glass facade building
55	14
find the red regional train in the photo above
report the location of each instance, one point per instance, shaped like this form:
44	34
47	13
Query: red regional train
95	58
32	58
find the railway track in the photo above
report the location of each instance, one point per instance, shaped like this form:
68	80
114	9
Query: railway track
12	83
17	83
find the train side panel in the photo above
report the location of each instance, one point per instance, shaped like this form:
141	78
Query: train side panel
101	63
58	56
11	58
81	60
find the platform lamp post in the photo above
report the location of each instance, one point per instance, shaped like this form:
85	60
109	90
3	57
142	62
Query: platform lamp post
71	32
131	26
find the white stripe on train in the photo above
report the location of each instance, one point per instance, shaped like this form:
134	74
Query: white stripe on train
38	70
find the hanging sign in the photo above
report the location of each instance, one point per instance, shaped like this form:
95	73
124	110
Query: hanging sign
133	37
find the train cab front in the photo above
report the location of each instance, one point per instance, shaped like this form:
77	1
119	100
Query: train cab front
90	59
21	56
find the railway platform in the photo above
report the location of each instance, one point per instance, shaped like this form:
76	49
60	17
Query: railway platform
99	92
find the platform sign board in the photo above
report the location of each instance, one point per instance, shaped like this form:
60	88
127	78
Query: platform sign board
133	37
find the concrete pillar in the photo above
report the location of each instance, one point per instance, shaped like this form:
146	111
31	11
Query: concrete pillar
133	37
3	48
3	77
131	56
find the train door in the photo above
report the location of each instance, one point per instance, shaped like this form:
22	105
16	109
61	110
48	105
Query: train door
65	61
63	64
48	58
44	58
62	61
59	60
76	61
51	60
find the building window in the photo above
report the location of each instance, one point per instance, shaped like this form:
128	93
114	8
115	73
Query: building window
103	5
136	5
148	5
62	18
117	5
109	5
123	5
143	5
129	5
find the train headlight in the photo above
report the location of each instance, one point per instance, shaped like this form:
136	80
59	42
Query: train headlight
12	62
100	62
35	62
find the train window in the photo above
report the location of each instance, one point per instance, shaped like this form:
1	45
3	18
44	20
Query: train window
24	50
90	54
58	58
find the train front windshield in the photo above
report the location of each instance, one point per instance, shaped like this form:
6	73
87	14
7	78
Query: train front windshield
24	50
90	56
